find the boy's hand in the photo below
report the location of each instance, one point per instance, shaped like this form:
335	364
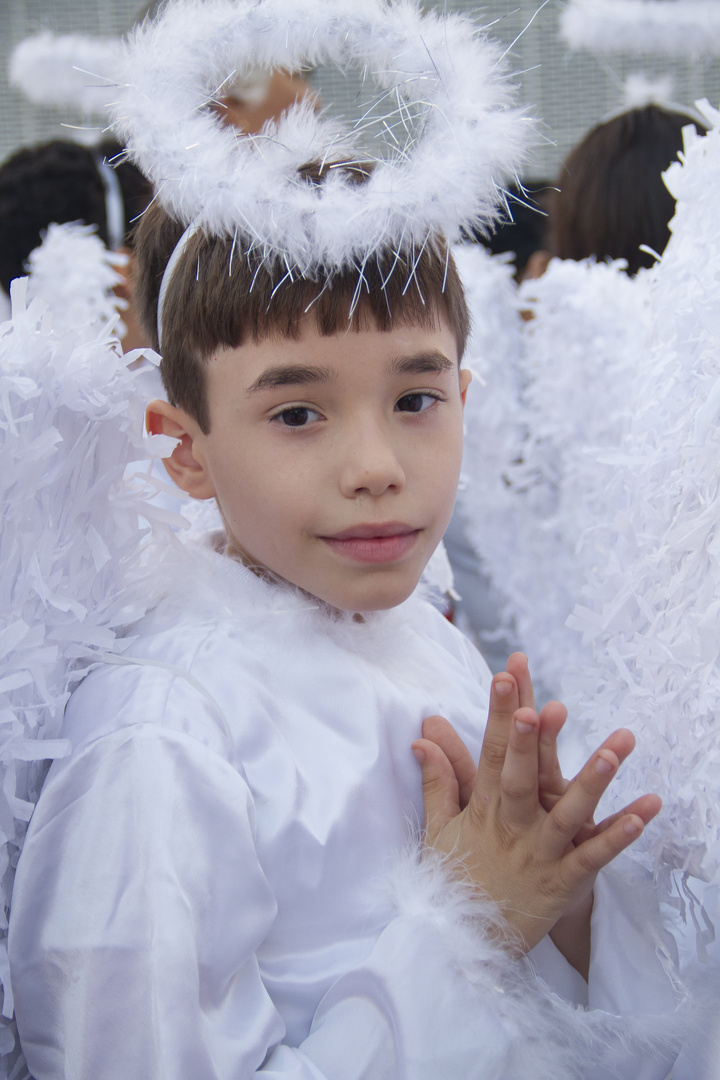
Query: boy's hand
551	782
538	864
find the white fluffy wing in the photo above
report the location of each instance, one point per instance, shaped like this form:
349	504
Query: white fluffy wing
652	612
74	274
554	387
74	541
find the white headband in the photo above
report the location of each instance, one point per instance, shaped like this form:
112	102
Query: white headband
114	205
167	277
470	138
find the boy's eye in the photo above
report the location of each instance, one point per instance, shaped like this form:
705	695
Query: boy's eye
297	416
416	402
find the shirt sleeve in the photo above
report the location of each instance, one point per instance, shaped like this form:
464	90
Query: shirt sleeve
139	908
138	911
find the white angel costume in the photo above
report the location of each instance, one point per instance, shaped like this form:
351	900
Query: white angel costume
203	890
223	876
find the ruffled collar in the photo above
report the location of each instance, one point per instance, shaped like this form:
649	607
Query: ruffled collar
197	582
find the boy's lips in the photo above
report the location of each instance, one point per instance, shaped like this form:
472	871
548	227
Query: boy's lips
378	543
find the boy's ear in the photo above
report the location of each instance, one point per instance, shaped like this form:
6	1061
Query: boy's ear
183	467
465	380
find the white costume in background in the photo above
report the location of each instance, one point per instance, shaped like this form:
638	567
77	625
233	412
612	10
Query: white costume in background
203	892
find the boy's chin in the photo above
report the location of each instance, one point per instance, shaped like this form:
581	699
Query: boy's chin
375	596
351	593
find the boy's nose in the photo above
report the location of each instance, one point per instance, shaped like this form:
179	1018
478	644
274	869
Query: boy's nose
370	466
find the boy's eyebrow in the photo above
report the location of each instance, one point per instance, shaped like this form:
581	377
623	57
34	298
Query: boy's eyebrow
432	362
290	375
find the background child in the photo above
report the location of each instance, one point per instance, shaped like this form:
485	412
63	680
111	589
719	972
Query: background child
612	199
62	181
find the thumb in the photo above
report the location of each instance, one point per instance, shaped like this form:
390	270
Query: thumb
439	731
441	794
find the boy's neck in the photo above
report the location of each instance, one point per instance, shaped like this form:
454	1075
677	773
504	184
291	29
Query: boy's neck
234	551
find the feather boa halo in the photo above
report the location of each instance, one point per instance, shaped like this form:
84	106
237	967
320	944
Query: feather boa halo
670	27
442	88
59	71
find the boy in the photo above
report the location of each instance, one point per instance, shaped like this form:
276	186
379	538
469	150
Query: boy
231	790
201	891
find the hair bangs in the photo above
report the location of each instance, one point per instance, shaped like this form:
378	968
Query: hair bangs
224	293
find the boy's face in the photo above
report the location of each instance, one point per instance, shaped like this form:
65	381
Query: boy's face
335	460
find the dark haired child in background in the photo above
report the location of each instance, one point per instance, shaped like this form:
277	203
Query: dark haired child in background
61	181
611	198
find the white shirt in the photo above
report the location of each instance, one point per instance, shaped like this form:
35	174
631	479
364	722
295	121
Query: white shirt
203	891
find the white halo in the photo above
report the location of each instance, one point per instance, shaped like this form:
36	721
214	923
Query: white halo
58	70
667	27
471	138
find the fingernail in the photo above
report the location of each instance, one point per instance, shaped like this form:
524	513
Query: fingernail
420	755
631	828
602	766
503	687
523	727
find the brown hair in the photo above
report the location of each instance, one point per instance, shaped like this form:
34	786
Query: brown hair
612	197
58	181
611	194
222	293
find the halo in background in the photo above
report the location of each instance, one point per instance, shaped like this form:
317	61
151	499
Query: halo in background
570	91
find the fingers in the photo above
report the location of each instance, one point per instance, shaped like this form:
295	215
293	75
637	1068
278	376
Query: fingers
646	807
595	847
570	819
576	807
439	786
587	859
621	742
519	780
504	700
551	781
517	665
438	730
